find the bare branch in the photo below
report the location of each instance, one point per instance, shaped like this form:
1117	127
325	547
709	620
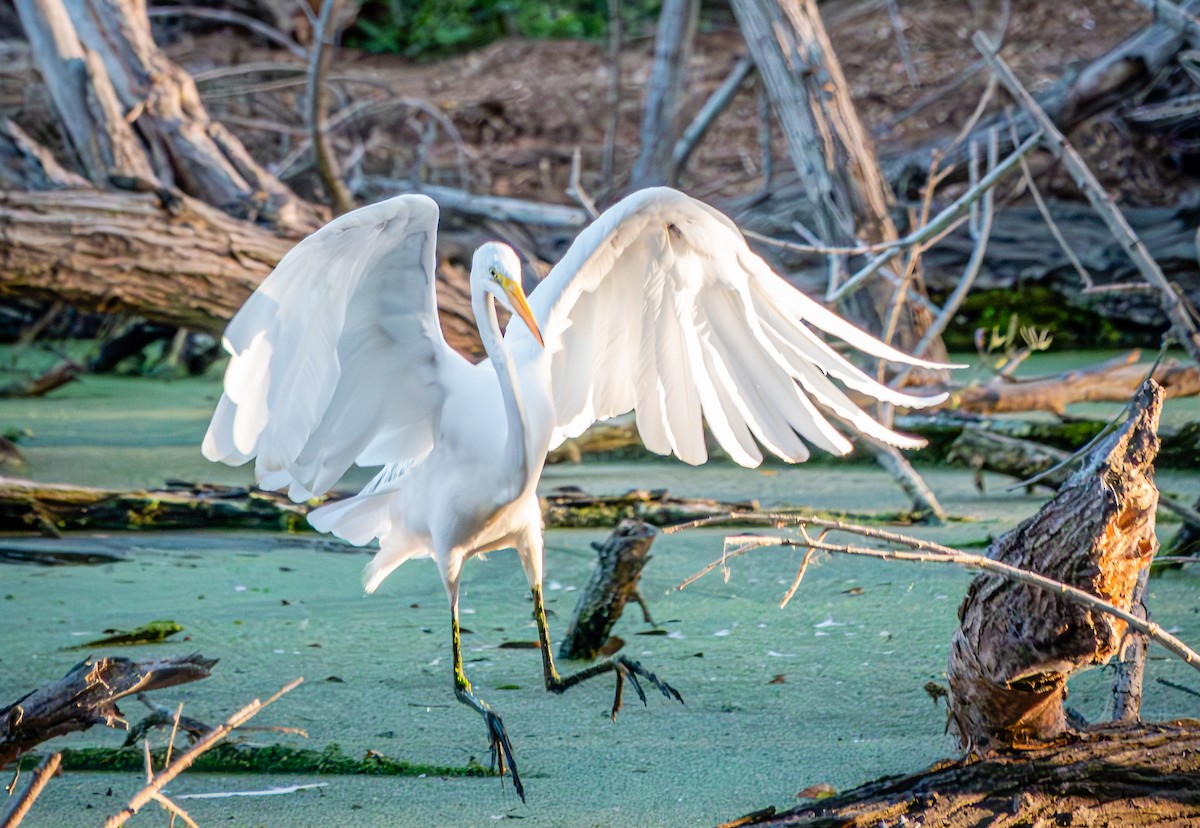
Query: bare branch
327	166
1057	144
24	801
185	759
923	551
237	18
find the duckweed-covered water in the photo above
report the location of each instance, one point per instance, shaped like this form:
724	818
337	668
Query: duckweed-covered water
828	690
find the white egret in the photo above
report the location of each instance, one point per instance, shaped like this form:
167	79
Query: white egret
659	306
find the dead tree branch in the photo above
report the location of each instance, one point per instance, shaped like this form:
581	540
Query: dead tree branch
1176	311
87	696
185	759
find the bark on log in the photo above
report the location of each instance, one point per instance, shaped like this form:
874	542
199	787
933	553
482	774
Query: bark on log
181	263
1016	644
1111	775
87	696
185	264
613	583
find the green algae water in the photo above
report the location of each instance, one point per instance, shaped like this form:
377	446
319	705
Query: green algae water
829	690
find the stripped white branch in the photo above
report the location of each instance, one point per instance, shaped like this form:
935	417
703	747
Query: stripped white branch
922	551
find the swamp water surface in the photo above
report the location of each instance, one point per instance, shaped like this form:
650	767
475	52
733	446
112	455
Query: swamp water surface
828	690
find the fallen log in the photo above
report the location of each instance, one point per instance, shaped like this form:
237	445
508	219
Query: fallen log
1114	775
613	583
52	508
160	256
87	696
1112	381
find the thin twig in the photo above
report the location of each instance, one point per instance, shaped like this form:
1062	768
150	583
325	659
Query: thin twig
174	810
185	759
929	552
939	223
575	188
24	801
902	42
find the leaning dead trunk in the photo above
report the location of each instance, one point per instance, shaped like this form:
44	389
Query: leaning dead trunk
1017	645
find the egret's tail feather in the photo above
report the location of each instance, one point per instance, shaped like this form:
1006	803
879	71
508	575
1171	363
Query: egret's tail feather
393	551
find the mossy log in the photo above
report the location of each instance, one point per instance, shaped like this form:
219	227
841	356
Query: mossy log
1126	775
87	696
51	508
612	585
569	507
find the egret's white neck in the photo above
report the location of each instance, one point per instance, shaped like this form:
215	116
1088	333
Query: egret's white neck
516	449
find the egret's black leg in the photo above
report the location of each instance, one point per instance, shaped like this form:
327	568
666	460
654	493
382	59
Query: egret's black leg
623	666
501	747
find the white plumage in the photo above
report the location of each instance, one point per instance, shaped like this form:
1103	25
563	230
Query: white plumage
658	307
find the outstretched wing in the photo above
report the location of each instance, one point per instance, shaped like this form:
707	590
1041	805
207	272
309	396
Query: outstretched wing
660	306
338	356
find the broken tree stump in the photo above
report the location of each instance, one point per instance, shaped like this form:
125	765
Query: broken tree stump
87	695
1017	644
614	582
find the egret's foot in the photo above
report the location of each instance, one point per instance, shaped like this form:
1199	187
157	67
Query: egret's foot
502	760
627	668
502	752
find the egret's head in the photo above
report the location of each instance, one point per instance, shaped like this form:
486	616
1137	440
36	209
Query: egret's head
497	270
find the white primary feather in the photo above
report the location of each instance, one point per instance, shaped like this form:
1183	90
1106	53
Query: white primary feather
661	307
338	356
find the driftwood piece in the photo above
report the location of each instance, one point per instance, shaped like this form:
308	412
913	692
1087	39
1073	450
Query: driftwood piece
186	147
87	696
985	451
1017	645
1112	381
613	583
1111	775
